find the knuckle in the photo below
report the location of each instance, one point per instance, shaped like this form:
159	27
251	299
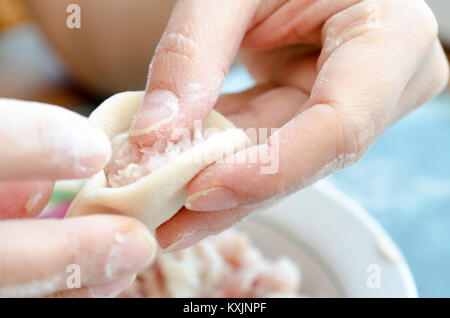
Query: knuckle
180	43
354	133
364	18
379	15
421	18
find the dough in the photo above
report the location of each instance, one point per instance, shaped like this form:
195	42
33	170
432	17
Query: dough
151	193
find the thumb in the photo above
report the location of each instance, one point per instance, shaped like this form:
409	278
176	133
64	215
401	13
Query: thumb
189	66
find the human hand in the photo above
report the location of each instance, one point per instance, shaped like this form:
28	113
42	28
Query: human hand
42	143
333	75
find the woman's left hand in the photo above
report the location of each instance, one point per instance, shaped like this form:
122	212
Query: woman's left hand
89	256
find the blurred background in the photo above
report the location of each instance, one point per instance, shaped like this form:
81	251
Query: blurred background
403	180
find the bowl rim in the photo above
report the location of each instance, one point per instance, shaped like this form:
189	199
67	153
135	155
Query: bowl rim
364	239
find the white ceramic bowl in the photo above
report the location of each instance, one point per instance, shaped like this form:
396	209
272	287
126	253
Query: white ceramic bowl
342	250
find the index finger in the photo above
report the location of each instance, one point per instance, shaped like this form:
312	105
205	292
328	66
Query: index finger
46	142
189	66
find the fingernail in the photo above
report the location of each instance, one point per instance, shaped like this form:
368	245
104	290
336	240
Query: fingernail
187	240
214	199
159	107
95	150
131	252
112	289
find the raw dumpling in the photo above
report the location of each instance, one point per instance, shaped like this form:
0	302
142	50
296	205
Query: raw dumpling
150	184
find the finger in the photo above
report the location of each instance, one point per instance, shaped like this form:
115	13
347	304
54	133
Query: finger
106	290
233	103
40	257
42	141
301	152
348	110
276	64
269	110
189	66
187	227
297	21
262	106
300	73
24	199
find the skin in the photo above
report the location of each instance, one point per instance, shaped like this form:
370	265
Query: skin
51	144
332	75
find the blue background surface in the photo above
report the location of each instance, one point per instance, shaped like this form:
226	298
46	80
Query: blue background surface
404	182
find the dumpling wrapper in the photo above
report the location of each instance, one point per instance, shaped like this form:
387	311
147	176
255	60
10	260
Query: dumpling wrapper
156	197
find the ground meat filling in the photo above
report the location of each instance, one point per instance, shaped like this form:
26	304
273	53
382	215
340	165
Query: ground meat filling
129	162
226	265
